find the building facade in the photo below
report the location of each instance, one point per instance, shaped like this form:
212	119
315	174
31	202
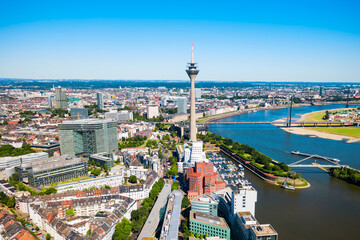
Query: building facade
182	105
202	179
52	170
206	204
88	136
61	100
206	224
103	158
152	111
99	100
79	113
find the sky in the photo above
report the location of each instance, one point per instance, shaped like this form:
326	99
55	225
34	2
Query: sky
258	40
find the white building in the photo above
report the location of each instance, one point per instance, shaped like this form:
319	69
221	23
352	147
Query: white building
197	153
8	162
123	115
152	111
243	200
112	181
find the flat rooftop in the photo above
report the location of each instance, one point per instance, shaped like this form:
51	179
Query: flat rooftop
87	121
51	163
263	230
249	219
204	199
210	219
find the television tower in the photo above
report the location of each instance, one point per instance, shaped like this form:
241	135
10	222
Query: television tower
192	73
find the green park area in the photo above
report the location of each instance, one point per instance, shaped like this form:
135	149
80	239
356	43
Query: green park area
316	117
346	131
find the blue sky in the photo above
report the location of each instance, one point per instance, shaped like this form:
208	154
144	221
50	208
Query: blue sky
233	40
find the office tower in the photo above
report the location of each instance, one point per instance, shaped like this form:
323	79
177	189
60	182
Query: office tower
152	111
182	106
99	99
192	72
60	98
51	101
87	136
78	113
197	93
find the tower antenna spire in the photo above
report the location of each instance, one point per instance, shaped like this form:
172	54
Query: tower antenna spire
192	52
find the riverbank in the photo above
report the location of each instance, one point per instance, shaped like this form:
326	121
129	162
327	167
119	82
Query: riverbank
299	183
235	113
321	134
348	134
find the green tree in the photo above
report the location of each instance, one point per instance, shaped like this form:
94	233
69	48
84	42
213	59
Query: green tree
175	186
185	202
70	211
133	179
48	236
88	232
122	230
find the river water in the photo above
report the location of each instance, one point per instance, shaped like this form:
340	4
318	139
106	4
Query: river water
330	208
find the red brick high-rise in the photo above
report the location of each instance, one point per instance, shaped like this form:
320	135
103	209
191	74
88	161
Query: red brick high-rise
202	179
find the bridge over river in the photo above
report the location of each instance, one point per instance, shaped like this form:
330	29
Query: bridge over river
294	124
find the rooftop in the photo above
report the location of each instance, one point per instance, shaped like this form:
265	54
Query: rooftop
248	219
204	199
87	121
208	219
263	230
51	163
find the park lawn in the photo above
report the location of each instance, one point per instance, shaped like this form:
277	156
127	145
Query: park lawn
346	131
316	116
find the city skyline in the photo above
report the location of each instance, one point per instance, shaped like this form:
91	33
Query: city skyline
282	41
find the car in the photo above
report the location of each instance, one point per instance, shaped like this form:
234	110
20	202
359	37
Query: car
39	233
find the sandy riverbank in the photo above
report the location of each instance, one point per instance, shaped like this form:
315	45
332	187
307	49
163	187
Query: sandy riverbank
314	133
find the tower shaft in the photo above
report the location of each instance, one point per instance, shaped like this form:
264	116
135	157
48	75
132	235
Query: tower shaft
193	129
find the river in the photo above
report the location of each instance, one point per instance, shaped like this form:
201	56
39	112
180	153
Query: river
330	208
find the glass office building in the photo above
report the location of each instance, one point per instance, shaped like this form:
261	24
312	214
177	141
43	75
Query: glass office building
88	136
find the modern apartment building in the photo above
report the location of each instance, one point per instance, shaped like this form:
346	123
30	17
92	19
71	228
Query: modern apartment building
206	224
87	136
152	111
